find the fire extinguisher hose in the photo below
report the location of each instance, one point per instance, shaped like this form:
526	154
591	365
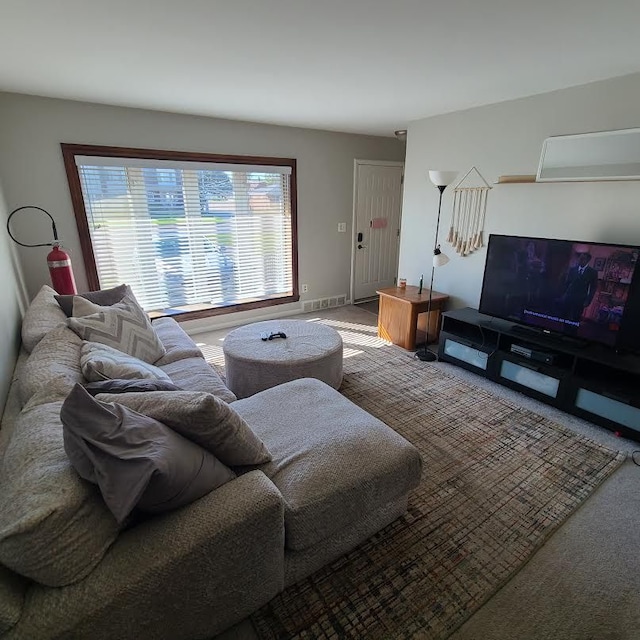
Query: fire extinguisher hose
41	244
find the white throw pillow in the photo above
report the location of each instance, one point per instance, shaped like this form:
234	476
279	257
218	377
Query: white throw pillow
101	362
125	326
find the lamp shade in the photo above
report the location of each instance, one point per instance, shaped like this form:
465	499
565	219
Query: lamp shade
442	178
440	259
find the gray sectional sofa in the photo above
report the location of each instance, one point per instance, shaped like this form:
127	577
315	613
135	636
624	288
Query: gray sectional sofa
337	476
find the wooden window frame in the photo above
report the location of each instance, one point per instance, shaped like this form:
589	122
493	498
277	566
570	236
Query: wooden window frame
69	153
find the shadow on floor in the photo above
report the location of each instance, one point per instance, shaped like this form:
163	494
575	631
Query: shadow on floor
371	306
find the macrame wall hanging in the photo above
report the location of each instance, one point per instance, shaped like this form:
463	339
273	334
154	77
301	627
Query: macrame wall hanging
469	213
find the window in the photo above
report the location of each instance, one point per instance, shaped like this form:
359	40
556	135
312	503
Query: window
192	234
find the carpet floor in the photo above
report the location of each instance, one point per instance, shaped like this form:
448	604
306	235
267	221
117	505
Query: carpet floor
498	480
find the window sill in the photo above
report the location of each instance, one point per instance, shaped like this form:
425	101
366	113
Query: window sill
194	312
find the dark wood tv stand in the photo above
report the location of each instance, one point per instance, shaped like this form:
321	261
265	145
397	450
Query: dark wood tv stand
585	379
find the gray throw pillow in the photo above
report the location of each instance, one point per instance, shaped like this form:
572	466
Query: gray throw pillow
54	526
203	418
124	326
42	316
134	459
129	386
103	297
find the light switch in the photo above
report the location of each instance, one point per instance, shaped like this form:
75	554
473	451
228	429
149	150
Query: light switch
342	227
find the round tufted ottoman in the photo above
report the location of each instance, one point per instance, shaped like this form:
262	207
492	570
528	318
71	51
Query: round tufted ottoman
310	350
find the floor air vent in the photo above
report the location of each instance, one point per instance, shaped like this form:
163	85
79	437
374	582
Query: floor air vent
324	303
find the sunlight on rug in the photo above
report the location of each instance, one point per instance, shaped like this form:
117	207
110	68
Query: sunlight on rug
497	481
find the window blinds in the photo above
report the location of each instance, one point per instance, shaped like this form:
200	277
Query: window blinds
189	235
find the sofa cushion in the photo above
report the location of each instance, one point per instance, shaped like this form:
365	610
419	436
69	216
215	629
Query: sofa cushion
54	526
124	326
42	315
203	418
103	297
134	459
332	461
102	362
52	368
196	374
117	387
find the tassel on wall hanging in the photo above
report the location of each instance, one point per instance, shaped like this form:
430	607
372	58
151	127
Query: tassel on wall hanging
469	212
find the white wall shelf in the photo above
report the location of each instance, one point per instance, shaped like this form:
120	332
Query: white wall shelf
502	180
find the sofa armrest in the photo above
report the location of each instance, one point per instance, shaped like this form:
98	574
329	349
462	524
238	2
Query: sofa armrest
186	574
177	343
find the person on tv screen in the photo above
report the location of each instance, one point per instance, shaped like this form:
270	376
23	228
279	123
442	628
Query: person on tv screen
579	287
529	271
536	269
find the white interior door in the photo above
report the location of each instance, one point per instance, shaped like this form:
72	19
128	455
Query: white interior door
376	226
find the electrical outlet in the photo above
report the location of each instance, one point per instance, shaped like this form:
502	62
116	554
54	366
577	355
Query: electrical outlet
342	227
304	288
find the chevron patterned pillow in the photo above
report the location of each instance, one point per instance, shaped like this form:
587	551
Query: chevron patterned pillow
124	326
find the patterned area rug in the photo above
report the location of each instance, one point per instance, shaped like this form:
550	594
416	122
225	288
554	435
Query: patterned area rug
497	481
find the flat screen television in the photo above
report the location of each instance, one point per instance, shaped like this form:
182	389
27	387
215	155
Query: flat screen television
586	290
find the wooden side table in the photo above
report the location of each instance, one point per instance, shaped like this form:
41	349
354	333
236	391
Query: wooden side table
402	315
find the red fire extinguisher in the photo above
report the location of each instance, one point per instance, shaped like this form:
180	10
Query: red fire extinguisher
58	261
61	272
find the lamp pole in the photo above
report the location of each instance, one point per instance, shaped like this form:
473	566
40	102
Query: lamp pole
425	355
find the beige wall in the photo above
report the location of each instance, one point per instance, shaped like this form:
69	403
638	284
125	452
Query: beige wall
33	173
11	309
505	139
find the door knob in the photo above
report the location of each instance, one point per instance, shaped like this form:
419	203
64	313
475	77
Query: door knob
360	236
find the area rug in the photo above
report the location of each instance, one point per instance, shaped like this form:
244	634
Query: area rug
497	481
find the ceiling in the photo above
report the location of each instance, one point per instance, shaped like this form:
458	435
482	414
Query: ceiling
362	66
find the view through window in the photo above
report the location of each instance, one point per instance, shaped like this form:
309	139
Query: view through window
188	235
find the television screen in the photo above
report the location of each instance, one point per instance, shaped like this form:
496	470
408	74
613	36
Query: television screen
579	289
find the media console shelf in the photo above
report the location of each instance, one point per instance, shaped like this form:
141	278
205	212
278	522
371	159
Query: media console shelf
587	380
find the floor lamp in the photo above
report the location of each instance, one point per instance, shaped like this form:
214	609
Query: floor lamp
441	179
